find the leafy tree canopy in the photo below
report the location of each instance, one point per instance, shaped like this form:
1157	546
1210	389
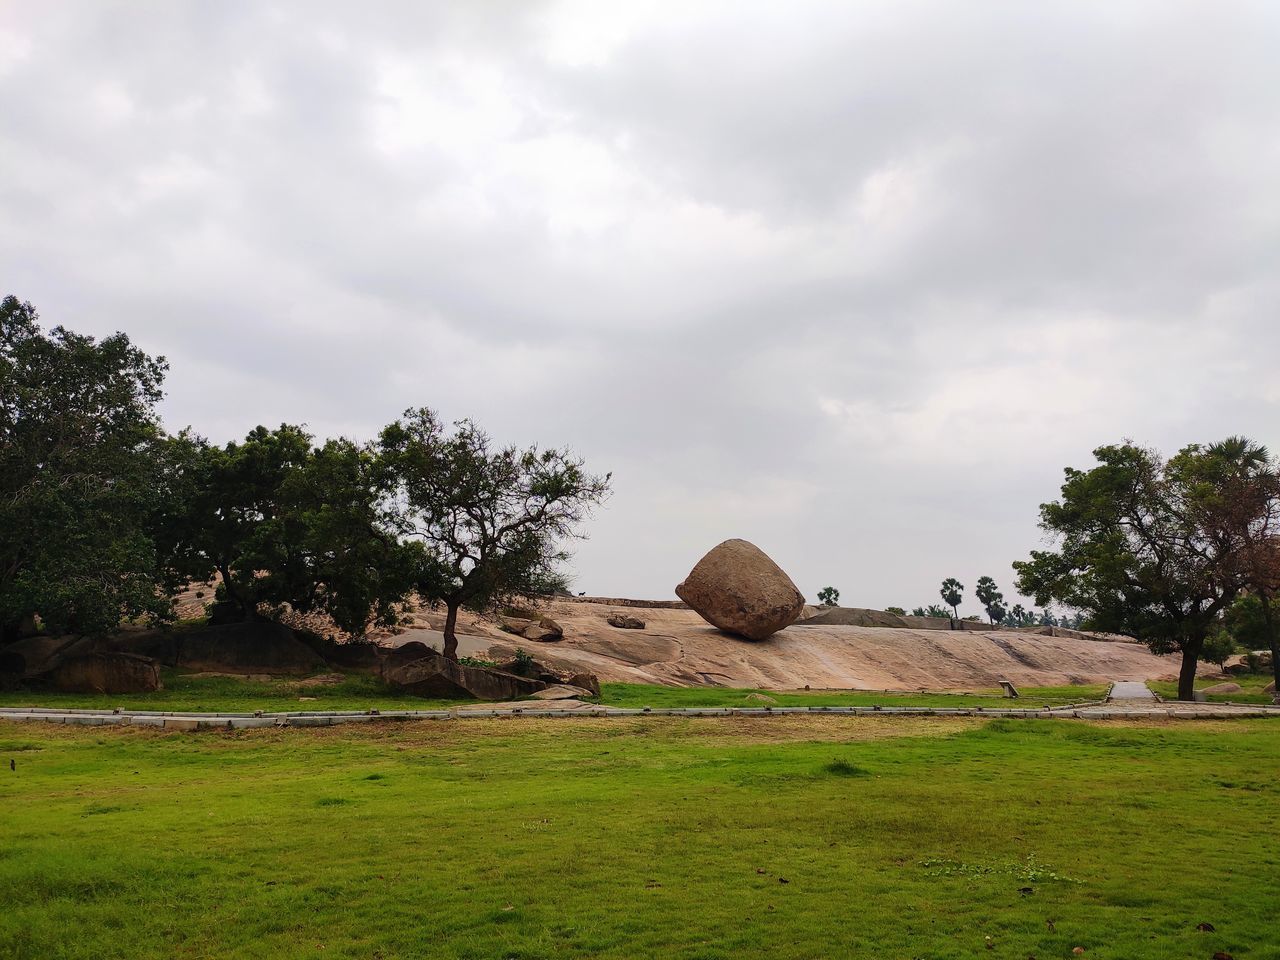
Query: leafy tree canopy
952	593
284	523
492	520
78	478
1152	547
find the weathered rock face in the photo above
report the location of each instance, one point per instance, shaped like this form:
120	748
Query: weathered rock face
436	676
106	673
540	629
585	681
561	691
40	654
737	588
252	646
854	617
545	630
624	622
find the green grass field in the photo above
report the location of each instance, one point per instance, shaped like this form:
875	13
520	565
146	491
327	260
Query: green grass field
788	837
362	692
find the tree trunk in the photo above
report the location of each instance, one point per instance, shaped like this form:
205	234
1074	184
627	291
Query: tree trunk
1273	643
1187	673
450	637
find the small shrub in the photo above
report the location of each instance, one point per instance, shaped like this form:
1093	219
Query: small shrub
843	768
523	662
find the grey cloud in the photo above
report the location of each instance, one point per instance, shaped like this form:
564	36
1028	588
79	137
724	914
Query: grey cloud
855	281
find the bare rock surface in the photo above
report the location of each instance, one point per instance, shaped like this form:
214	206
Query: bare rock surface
1222	688
853	617
434	676
562	691
254	646
738	588
678	647
106	672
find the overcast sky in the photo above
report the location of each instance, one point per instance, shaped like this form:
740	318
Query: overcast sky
854	281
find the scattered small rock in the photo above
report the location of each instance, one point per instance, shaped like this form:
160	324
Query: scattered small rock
1223	688
545	630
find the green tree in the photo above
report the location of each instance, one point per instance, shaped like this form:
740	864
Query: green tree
1218	646
900	611
1252	509
829	596
991	598
491	519
952	593
932	610
78	477
283	523
1148	546
1019	616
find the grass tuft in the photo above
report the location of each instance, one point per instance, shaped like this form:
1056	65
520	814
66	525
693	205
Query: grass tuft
843	768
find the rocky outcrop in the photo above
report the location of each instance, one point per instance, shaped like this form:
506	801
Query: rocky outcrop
37	655
537	629
1219	688
437	677
625	622
561	691
251	646
739	589
106	672
545	630
585	681
854	617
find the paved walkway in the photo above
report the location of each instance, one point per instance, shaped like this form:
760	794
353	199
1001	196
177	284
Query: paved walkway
1130	690
180	720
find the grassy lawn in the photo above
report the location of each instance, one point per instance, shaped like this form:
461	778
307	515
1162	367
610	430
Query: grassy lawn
1251	689
792	837
644	695
361	692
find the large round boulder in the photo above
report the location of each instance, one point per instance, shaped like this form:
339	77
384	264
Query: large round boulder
737	588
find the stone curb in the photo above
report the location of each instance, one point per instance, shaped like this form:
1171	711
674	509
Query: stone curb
177	720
